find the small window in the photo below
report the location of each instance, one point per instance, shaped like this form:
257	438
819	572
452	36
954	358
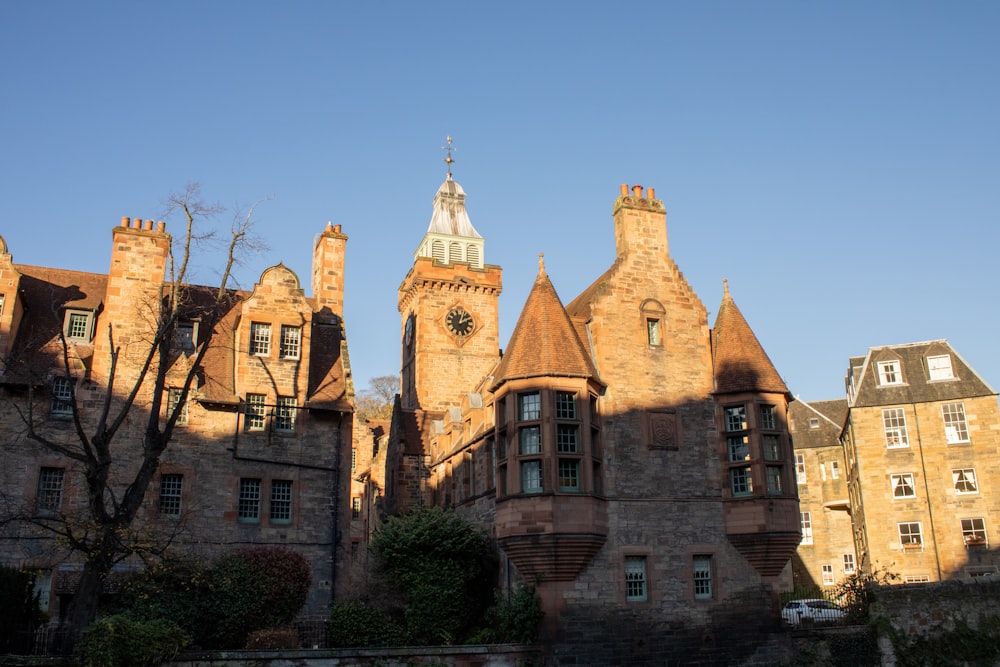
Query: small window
565	405
828	579
635	578
281	501
768	417
260	339
894	421
354	458
955	427
889	373
255	412
248	505
849	564
50	490
184	336
531	477
939	367
530	406
772	447
170	495
814	422
702	577
741	481
567	439
774	484
736	418
835	469
964	480
800	468
974	532
909	534
291	341
902	485
805	523
531	440
356	507
62	397
916	579
284	420
653	332
174	404
78	325
569	475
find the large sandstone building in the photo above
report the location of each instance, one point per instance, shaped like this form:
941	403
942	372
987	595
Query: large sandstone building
632	462
259	444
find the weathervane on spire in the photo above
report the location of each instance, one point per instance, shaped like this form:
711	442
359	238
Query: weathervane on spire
448	159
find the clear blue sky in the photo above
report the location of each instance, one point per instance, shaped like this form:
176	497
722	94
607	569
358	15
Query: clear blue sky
838	162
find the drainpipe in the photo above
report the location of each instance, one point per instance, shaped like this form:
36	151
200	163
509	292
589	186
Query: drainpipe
927	493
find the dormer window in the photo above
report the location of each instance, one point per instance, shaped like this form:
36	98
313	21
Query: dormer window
939	367
78	325
186	334
889	373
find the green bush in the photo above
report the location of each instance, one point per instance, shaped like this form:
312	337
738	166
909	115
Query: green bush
355	624
513	619
444	568
123	641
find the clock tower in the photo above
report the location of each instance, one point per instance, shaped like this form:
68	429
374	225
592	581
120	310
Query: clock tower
448	304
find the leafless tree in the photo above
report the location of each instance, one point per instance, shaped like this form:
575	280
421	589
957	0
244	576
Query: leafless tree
106	532
376	401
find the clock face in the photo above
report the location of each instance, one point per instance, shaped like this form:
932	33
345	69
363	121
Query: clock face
408	338
459	322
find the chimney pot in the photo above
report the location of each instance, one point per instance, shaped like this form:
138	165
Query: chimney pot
624	189
637	190
148	225
136	223
161	226
125	221
650	193
337	229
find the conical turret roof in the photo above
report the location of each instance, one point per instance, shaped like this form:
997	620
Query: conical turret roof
740	363
544	342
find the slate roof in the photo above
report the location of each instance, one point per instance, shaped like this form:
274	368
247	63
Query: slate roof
916	387
545	341
829	415
740	363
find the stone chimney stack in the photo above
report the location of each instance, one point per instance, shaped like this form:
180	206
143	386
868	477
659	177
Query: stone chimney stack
640	222
328	270
135	287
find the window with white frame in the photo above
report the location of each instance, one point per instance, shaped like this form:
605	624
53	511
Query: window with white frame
78	325
805	523
260	339
955	427
741	481
894	421
974	531
171	486
774	483
256	412
902	485
62	397
814	422
635	578
284	419
248	504
889	373
916	579
174	404
964	480
281	501
939	367
909	534
291	342
702	566
849	567
356	507
50	490
835	469
828	579
800	468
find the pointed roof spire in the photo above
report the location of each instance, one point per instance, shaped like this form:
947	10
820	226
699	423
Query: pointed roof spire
450	216
740	363
544	342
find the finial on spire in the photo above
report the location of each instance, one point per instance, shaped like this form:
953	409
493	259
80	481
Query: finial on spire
541	264
447	159
725	287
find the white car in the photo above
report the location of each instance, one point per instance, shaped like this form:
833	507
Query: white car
798	612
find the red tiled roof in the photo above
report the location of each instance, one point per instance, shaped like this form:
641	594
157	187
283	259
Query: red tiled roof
545	341
740	363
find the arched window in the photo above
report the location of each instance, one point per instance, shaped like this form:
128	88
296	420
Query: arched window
654	320
437	250
472	254
455	252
